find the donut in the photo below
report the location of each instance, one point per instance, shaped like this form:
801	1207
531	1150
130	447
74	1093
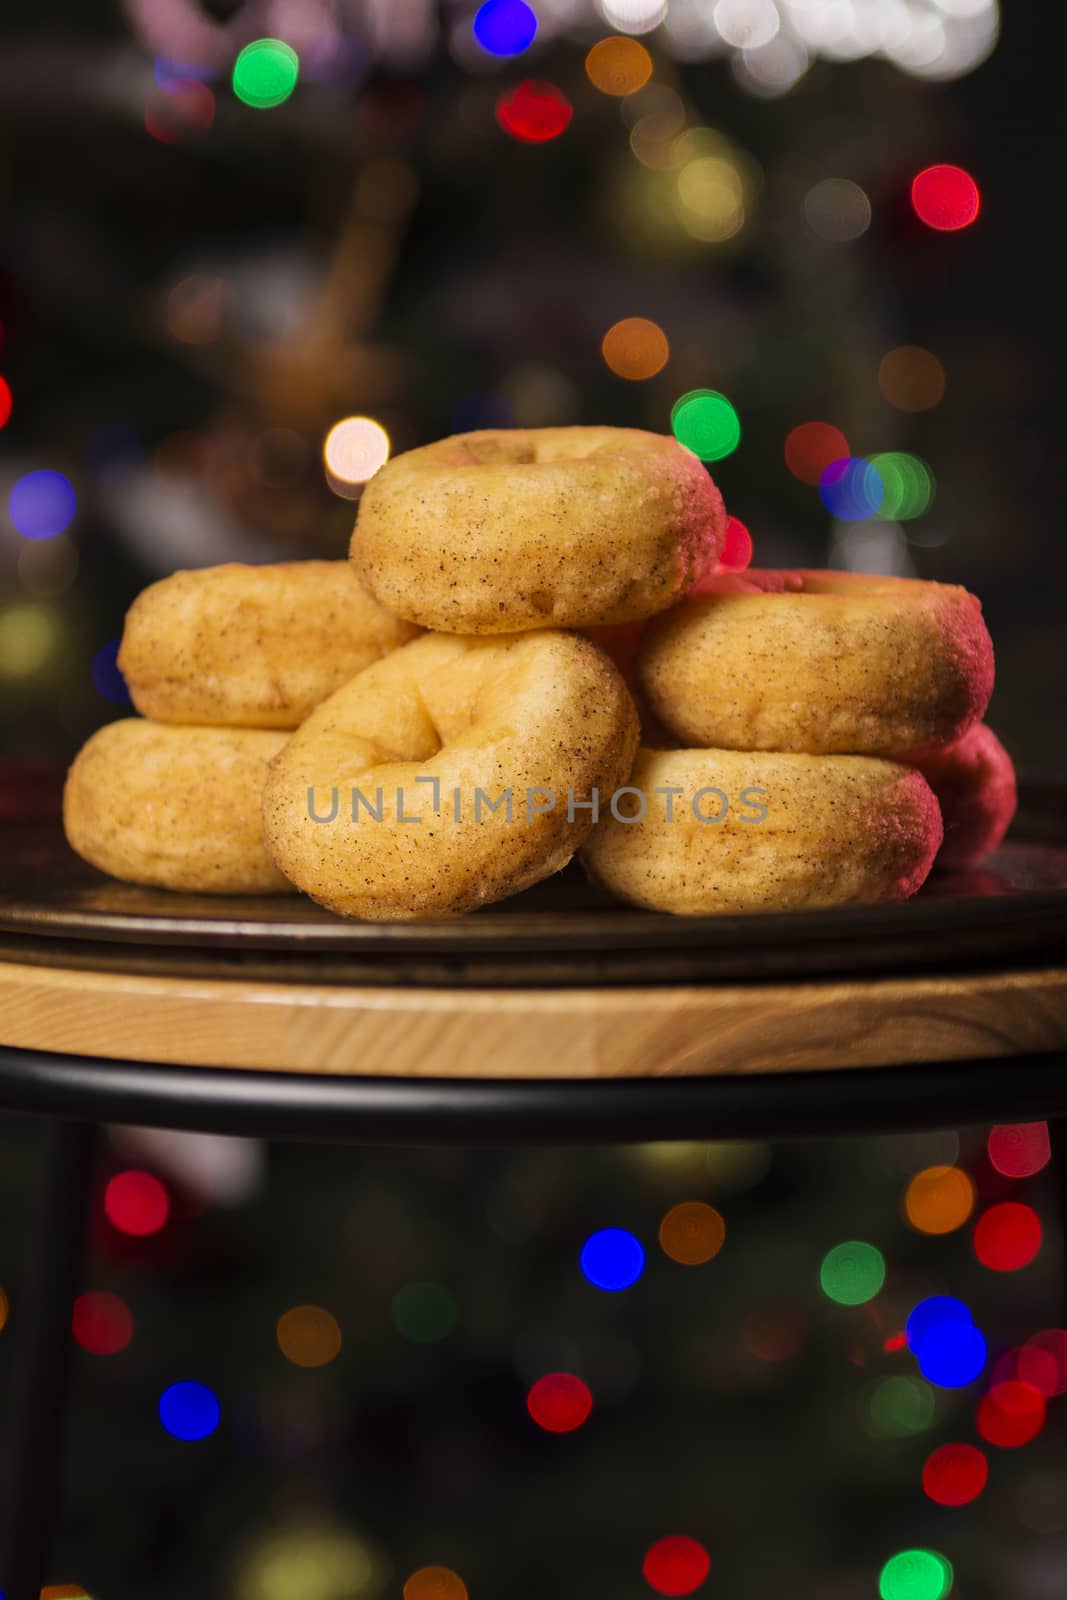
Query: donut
705	831
974	781
820	663
392	801
177	808
503	531
251	647
621	641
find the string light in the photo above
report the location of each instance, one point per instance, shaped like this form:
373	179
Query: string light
951	1355
955	1474
353	451
559	1402
29	636
505	27
837	210
851	489
1019	1149
5	1308
676	1565
618	66
633	16
6	402
1011	1414
189	1411
635	348
932	1313
101	1323
736	553
1042	1362
308	1336
939	1199
911	378
946	198
706	423
852	1273
107	678
136	1203
265	73
907	485
916	1575
534	112
612	1259
1007	1237
42	504
811	447
692	1233
435	1583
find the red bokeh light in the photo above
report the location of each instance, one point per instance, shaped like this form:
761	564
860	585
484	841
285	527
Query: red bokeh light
1019	1149
183	110
676	1565
955	1474
5	402
1007	1236
945	198
896	1341
1042	1362
737	549
811	447
136	1203
559	1402
1011	1414
102	1323
534	112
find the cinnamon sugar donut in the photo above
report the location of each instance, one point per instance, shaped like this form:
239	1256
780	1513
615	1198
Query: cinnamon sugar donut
974	781
822	663
507	530
177	808
451	774
729	831
251	647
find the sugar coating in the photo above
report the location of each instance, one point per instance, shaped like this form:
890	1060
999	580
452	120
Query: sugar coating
974	781
251	647
176	808
501	531
822	663
838	830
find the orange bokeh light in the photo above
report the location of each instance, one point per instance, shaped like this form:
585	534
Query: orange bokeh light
435	1583
911	378
692	1233
939	1199
618	65
309	1336
636	348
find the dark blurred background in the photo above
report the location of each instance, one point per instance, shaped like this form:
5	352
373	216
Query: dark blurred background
230	281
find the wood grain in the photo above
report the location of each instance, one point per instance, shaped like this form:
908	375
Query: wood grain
536	1033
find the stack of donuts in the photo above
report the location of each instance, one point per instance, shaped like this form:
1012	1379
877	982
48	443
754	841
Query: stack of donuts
531	654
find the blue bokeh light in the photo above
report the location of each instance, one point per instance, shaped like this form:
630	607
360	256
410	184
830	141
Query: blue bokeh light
42	504
189	1411
505	27
929	1314
952	1354
851	489
107	679
481	409
170	74
612	1258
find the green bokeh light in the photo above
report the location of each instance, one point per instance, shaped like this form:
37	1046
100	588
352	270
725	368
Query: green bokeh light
852	1273
900	1407
706	423
424	1312
265	73
909	485
916	1575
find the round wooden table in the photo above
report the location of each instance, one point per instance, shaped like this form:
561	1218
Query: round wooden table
558	1018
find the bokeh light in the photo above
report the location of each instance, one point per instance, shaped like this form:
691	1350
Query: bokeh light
633	16
1019	1149
911	378
939	1199
706	423
308	1336
1007	1237
916	1575
676	1565
837	210
852	1273
189	1411
635	348
736	553
101	1323
931	1313
945	198
42	504
425	1313
196	308
136	1203
353	451
955	1474
907	485
811	447
747	24
534	112
612	1259
63	1591
559	1402
900	1407
1042	1362
265	73
692	1233
435	1583
5	1309
29	636
619	65
505	27
107	679
181	111
1010	1414
951	1354
711	197
851	489
6	402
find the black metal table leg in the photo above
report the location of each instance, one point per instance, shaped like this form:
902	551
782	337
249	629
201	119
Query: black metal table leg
33	1436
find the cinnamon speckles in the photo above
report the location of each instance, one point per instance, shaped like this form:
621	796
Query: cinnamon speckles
497	532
